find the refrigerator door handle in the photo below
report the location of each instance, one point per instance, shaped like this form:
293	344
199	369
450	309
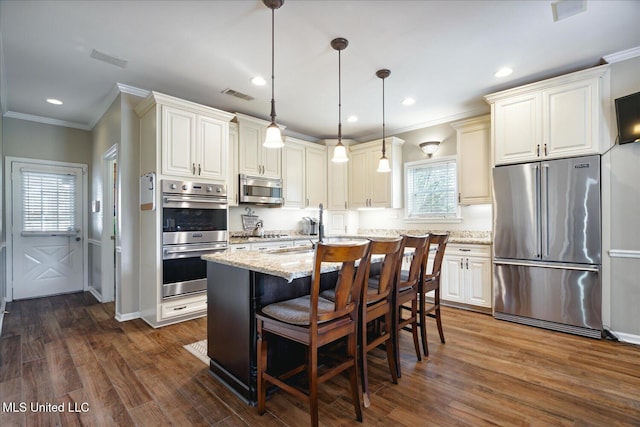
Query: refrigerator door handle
536	167
560	266
544	212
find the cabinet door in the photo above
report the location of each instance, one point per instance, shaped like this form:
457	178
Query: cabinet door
178	142
478	281
474	164
569	119
517	129
272	162
358	179
250	149
316	176
294	176
232	166
212	149
452	280
380	187
337	183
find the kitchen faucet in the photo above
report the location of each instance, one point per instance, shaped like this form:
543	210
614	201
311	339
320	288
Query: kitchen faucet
320	226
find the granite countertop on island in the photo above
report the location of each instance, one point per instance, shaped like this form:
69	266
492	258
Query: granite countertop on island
289	265
461	237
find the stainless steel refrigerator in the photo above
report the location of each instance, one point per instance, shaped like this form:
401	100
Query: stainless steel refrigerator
547	244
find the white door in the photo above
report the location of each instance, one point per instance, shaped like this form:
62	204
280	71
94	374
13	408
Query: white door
47	251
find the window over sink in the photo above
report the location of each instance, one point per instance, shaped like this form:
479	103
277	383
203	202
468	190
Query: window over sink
431	189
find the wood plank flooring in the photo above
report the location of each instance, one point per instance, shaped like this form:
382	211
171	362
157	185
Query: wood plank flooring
69	350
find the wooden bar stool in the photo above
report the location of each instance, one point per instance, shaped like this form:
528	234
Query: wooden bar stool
314	322
407	292
431	282
378	305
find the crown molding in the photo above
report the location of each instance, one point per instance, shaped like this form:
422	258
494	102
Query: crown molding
117	89
461	116
46	120
623	55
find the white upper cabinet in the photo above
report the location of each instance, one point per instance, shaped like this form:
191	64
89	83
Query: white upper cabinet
369	188
253	158
304	173
560	117
474	160
337	181
191	139
233	194
293	176
316	175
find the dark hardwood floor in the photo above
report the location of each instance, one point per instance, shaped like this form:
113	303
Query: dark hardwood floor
69	350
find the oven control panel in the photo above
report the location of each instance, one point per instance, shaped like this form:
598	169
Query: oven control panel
195	188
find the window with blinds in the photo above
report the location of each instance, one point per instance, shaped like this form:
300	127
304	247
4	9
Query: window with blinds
431	189
48	202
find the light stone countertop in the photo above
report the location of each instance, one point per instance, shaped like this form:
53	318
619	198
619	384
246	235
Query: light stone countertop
461	237
289	265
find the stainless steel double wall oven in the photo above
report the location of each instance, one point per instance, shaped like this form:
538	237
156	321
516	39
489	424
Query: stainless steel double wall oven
194	223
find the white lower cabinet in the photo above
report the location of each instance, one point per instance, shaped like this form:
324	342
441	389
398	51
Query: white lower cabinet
184	306
466	275
271	245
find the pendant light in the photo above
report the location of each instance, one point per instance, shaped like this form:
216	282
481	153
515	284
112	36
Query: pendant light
274	136
340	151
383	164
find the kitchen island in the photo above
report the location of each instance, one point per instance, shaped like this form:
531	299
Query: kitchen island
239	284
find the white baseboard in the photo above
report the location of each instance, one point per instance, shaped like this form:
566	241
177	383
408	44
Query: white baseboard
628	338
120	317
97	295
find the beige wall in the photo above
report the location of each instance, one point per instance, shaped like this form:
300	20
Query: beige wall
22	138
624	214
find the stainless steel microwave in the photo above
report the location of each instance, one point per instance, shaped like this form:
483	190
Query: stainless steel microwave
260	190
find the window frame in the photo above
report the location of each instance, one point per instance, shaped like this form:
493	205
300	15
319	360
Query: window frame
432	218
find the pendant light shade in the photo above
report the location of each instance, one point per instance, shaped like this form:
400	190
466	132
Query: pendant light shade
273	137
340	151
383	164
340	154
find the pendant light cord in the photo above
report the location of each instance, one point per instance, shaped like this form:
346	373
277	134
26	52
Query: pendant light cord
339	98
273	101
383	134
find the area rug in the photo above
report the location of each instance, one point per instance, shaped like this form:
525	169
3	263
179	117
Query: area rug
199	350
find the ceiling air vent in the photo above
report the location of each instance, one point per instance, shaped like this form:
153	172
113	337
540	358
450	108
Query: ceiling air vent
101	56
238	94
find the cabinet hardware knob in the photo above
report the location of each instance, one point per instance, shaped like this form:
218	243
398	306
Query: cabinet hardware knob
193	168
465	250
545	149
182	307
538	150
199	169
467	263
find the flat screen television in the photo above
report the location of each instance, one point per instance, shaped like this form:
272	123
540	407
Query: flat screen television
628	116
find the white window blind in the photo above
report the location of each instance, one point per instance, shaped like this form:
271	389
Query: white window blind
431	189
48	202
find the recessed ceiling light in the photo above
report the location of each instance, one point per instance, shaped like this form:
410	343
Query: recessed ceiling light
54	101
503	72
408	101
352	119
258	81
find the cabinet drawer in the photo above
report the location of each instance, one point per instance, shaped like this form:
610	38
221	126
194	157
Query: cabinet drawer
183	307
468	250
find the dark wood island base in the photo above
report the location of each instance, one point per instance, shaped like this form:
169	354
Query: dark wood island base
233	296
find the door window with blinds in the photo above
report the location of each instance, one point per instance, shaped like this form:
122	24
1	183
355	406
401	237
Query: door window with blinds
431	189
48	202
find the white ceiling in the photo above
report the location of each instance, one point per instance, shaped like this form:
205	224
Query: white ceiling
442	53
